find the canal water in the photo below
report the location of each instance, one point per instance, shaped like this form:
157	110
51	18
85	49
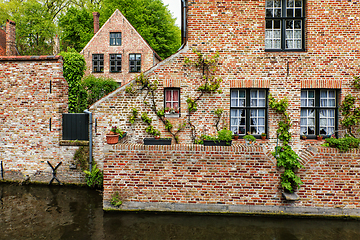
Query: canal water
58	212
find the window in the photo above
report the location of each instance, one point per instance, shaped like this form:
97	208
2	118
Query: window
135	62
172	101
318	112
115	63
248	111
285	24
98	63
115	39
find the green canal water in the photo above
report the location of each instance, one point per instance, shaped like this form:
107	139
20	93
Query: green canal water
58	212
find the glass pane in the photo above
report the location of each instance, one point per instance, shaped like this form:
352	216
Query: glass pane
233	113
268	34
176	96
297	34
303	121
277	12
269	3
242	94
261	93
323	121
234	102
303	130
331	94
277	3
261	103
298	13
289	12
277	33
241	103
261	121
311	94
269	12
298	3
332	103
277	44
311	121
253	102
289	34
311	103
297	24
234	94
277	24
297	44
289	24
331	113
303	103
323	103
261	113
289	44
311	130
268	24
290	3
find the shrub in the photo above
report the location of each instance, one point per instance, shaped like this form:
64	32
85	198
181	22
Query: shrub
343	144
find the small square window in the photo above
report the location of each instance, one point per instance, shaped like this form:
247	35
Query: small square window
115	39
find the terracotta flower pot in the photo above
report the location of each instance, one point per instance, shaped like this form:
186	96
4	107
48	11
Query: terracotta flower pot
236	137
263	137
112	138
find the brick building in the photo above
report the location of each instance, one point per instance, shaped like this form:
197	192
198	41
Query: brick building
33	96
8	40
306	51
117	50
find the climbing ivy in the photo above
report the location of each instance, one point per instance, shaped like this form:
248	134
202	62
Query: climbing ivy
209	84
350	113
285	155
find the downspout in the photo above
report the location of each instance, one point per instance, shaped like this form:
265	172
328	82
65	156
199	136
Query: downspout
90	138
183	24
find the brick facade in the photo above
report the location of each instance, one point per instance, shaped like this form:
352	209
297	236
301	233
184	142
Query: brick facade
236	30
8	40
131	43
33	96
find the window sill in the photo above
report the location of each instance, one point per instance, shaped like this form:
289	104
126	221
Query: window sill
172	115
73	143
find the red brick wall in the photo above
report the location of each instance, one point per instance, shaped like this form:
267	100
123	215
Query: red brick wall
236	175
33	91
132	42
2	42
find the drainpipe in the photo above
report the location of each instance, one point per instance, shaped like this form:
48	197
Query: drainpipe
183	24
90	138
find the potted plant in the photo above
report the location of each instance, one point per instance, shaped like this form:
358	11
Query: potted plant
249	139
263	136
112	137
236	136
156	140
303	137
319	137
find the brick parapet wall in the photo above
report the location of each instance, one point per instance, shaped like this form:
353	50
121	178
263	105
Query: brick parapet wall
229	176
33	96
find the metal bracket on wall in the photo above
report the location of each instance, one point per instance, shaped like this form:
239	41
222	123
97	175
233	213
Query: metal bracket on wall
54	173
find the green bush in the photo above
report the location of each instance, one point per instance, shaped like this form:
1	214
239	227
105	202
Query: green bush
97	88
343	144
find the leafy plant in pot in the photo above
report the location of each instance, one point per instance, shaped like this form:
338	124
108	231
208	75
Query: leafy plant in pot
236	136
113	136
263	136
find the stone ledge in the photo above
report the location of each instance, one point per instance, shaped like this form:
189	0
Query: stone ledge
73	143
234	209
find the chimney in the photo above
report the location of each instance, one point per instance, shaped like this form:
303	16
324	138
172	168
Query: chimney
10	38
56	47
96	16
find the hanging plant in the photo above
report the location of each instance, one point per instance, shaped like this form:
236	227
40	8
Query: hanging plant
285	155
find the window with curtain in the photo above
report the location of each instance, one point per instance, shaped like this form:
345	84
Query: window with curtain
98	63
248	111
284	25
319	112
172	101
135	62
115	63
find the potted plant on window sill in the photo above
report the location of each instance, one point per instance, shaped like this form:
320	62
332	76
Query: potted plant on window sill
319	137
303	137
172	112
263	136
236	136
249	139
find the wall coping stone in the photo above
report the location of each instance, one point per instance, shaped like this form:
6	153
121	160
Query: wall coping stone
30	58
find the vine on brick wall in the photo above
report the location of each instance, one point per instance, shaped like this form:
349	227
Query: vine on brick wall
285	155
150	87
350	113
209	84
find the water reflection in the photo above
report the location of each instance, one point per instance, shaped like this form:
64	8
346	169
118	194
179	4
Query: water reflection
42	212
